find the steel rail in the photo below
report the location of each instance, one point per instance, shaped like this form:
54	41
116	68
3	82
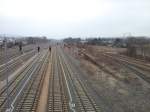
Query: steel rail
85	102
29	100
16	83
57	99
15	63
133	67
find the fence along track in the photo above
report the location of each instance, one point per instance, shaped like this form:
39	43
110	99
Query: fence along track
57	100
83	100
15	84
30	97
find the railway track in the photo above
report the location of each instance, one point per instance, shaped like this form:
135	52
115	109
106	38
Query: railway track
57	99
29	99
25	88
137	63
16	84
83	100
140	70
12	53
12	65
133	66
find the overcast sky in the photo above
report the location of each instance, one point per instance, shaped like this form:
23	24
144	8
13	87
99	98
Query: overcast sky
77	18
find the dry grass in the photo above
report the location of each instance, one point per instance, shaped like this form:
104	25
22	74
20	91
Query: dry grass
130	94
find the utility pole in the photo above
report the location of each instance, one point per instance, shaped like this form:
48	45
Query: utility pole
5	42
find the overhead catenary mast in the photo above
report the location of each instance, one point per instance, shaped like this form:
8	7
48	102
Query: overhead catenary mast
5	43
